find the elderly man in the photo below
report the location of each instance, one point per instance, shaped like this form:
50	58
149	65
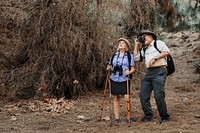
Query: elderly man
156	74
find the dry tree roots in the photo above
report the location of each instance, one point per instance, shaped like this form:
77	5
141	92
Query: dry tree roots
49	43
62	46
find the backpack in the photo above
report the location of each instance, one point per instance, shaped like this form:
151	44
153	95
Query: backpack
129	61
169	59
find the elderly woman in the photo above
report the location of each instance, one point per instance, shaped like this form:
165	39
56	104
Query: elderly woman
121	65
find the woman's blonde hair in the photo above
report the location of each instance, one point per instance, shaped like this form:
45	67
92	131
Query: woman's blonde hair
127	43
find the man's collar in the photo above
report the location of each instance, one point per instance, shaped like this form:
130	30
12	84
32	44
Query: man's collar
152	43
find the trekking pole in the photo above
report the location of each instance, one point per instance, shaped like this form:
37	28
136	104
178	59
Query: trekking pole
128	102
110	104
104	94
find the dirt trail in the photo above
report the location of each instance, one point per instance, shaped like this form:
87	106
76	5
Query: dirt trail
182	97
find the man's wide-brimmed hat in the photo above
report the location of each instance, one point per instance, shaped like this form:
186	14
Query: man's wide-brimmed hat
125	40
149	33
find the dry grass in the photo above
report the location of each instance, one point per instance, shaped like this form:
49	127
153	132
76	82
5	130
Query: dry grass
54	42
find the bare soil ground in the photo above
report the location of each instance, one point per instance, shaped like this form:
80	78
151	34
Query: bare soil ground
80	115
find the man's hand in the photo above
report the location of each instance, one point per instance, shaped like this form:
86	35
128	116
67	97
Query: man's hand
137	42
136	48
151	63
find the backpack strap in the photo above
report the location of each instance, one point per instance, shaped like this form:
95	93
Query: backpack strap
111	61
129	59
144	49
155	45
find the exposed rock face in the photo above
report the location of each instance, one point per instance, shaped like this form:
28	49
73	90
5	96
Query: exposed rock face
188	14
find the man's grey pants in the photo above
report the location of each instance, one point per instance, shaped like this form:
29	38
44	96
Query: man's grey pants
154	80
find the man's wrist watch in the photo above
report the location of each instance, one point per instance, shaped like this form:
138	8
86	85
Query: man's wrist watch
156	58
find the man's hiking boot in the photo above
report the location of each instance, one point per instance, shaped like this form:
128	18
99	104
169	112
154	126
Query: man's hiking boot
165	121
145	119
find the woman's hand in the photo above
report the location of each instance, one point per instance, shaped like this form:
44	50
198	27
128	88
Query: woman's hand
127	72
108	67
